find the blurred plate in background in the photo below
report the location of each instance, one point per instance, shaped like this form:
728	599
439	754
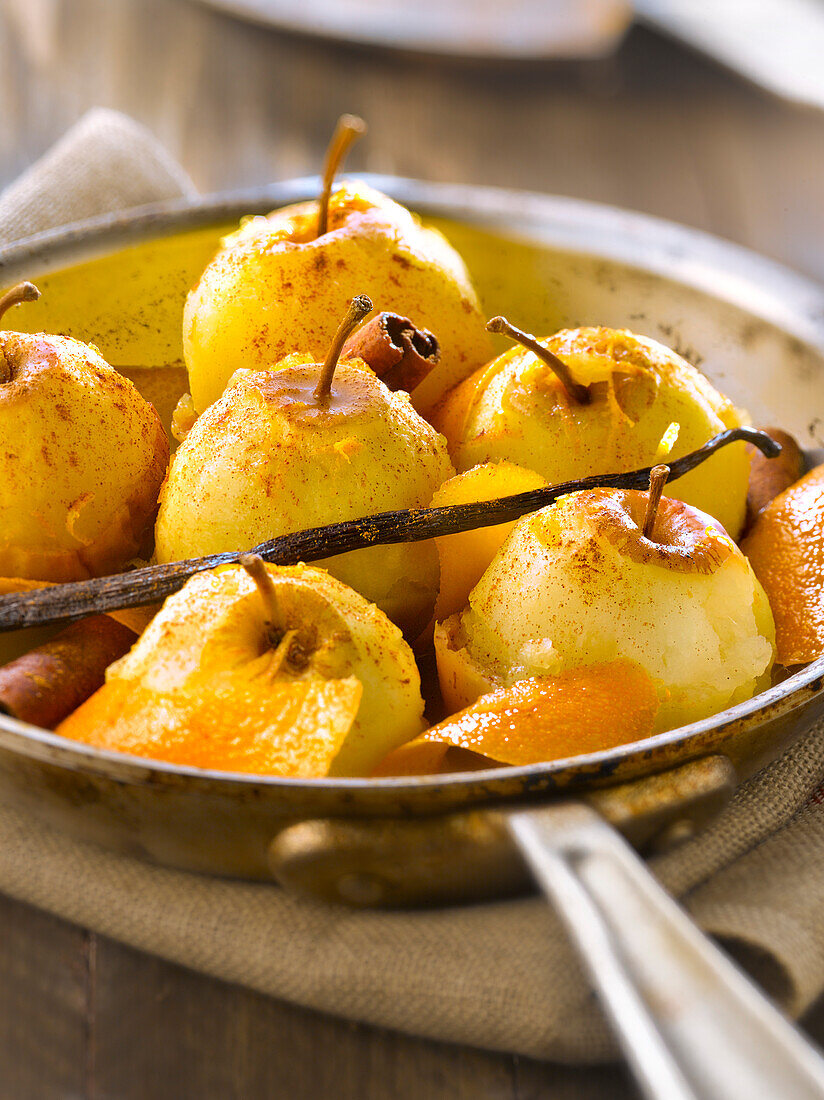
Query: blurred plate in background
778	44
514	29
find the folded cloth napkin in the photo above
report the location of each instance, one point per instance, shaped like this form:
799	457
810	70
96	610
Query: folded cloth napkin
106	162
497	975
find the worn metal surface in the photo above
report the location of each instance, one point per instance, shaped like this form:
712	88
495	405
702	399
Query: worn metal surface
756	328
412	861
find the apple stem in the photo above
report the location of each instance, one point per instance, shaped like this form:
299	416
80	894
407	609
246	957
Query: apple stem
657	480
359	307
576	392
23	292
256	569
347	131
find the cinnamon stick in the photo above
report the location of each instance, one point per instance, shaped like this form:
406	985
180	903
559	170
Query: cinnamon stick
45	685
768	478
397	351
65	602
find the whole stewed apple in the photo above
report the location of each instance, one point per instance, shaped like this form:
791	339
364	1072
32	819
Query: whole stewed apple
305	445
280	283
83	457
589	580
596	401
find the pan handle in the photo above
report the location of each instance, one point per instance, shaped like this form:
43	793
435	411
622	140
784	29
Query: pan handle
691	1024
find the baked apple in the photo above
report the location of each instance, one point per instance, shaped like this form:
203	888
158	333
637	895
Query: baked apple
579	583
280	282
278	670
84	458
606	400
270	457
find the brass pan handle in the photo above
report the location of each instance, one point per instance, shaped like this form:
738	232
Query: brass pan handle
466	855
691	1024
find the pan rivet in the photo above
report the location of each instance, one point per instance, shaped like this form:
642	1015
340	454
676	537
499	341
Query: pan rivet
359	889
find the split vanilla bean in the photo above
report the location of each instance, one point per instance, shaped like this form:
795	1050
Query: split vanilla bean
65	602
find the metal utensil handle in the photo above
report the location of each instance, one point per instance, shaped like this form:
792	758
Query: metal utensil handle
692	1025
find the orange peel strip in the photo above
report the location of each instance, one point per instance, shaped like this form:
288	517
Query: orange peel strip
579	711
21	584
786	551
418	757
289	729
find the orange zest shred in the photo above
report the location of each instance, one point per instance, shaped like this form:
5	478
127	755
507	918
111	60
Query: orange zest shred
786	550
418	757
293	729
580	711
9	585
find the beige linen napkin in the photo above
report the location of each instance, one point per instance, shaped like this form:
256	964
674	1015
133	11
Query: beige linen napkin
105	162
499	975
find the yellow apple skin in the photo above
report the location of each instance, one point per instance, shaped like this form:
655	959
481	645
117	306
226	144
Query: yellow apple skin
216	626
274	288
85	456
516	409
462	679
464	557
578	584
266	460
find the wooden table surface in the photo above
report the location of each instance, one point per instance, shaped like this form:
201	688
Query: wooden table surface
654	128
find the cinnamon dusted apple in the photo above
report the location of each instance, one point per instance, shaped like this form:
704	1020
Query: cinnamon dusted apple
278	670
280	283
305	445
596	401
590	580
84	458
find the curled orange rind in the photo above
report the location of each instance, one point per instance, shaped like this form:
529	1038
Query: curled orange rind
786	551
582	710
293	729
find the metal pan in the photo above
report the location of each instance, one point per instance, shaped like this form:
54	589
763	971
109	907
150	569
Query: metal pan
758	330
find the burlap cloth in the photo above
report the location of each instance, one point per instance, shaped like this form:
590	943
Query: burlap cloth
499	975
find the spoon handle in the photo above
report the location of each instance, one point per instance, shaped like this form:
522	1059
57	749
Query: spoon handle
691	1024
